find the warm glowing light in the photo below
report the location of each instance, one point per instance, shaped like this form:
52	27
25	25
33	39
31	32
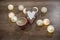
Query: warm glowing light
43	9
46	21
24	11
50	29
36	8
14	19
11	14
39	22
20	7
10	7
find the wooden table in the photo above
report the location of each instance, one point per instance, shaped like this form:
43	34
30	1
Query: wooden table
10	31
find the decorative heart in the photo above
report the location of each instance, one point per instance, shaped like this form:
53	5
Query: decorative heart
30	14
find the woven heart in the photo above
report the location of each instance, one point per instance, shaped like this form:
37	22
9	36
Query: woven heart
30	14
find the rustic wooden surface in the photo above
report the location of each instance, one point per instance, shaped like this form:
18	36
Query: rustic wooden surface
10	31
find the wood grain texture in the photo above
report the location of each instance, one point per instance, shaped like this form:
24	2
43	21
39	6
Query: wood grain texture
10	31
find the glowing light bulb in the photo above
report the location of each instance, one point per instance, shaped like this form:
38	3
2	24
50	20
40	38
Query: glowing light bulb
36	9
11	14
14	19
20	7
50	29
10	7
43	9
39	22
46	21
24	11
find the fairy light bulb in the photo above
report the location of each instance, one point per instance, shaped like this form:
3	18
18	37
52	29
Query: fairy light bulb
50	29
11	14
43	9
10	7
46	21
14	19
24	11
20	7
36	9
39	22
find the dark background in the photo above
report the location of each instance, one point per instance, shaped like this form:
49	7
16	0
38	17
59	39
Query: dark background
10	31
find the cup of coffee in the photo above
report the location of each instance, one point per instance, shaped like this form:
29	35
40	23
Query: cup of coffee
22	21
